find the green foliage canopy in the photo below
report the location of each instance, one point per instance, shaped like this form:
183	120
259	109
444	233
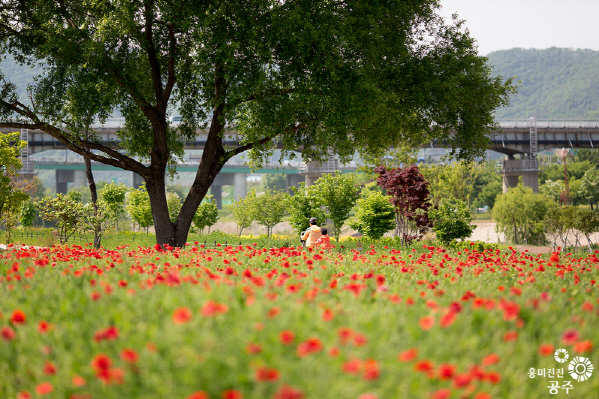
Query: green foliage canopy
206	215
139	207
269	208
452	221
374	215
519	214
314	74
305	203
339	195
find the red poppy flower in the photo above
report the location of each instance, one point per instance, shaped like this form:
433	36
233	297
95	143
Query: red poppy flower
129	355
424	366
253	349
7	333
546	349
344	334
359	339
78	381
288	392
583	346
510	336
44	388
490	359
328	315
462	380
273	312
408	355
570	337
43	327
23	395
232	394
266	374
287	337
587	306
368	396
198	395
334	352
109	333
371	370
101	363
427	322
482	395
510	310
447	319
212	308
49	368
352	366
441	394
181	315
493	377
18	317
446	371
311	345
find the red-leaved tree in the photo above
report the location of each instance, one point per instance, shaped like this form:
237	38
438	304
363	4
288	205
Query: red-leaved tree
410	197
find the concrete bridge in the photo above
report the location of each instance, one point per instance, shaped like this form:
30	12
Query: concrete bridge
69	167
523	138
526	137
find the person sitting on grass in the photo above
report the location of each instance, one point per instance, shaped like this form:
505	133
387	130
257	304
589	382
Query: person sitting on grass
324	241
312	234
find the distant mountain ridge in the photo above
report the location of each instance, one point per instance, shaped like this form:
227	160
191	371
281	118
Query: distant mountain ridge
556	83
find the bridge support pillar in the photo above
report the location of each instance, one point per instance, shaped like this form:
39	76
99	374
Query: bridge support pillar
136	180
80	178
294	181
217	192
240	185
509	181
311	178
63	177
531	179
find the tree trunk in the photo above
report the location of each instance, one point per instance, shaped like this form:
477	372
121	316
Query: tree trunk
94	194
213	159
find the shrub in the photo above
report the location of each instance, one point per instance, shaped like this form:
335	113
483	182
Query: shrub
519	214
452	221
375	216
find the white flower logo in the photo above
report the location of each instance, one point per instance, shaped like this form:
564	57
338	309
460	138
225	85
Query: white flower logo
561	355
580	368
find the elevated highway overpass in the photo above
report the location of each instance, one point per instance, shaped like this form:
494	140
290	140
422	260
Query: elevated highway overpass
523	137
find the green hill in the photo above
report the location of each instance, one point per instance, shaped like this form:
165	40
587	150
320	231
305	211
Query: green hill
21	76
556	83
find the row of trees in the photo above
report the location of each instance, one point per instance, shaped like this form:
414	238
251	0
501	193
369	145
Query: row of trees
72	216
404	206
525	217
331	197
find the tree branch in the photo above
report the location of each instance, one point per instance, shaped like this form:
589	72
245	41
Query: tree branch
172	79
151	52
231	153
20	109
269	93
118	160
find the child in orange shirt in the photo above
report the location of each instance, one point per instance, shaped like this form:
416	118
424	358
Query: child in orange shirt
324	242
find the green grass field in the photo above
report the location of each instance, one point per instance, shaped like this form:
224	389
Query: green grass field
252	322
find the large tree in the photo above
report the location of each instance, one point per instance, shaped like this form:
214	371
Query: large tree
309	74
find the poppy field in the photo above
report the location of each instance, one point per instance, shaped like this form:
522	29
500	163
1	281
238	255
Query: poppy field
235	322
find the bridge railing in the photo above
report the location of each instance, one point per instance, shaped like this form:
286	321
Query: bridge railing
517	166
507	123
549	123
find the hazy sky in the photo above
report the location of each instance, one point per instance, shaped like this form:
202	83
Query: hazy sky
505	24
